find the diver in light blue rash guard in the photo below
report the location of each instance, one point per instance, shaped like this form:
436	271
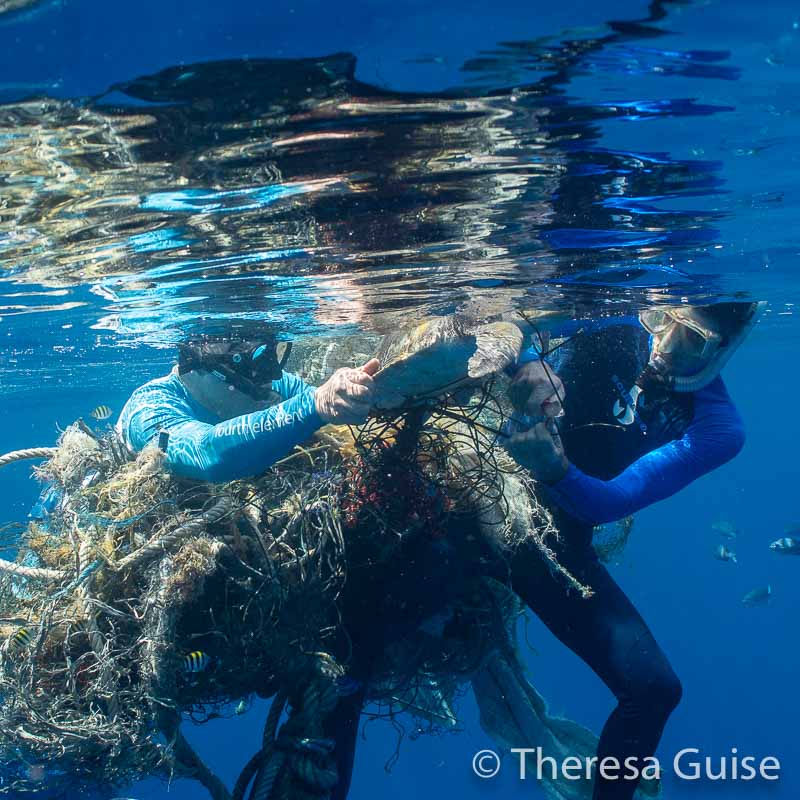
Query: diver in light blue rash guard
643	412
229	411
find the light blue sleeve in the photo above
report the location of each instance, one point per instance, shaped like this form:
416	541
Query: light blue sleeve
715	435
289	385
224	451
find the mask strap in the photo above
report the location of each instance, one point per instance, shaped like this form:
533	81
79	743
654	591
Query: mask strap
285	357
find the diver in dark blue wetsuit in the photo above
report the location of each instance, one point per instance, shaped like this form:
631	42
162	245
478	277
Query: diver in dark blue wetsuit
229	411
641	420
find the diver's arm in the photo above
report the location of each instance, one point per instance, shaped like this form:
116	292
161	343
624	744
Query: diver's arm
248	444
235	448
289	385
242	446
715	435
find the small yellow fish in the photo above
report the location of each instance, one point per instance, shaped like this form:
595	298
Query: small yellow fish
22	638
196	661
102	413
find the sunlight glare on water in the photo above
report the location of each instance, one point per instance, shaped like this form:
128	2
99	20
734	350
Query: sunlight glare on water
563	172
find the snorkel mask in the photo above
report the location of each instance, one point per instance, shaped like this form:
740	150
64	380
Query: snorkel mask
704	335
247	365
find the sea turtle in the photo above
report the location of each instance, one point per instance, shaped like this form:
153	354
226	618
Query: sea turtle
317	358
431	358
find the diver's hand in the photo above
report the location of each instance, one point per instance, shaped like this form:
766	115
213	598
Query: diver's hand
346	397
540	451
536	390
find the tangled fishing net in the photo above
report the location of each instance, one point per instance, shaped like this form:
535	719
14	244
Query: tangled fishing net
611	539
141	598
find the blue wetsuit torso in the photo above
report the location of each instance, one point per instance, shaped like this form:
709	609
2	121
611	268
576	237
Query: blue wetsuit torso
714	434
203	447
615	469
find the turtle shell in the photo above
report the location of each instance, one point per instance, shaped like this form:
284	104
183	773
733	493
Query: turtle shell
436	356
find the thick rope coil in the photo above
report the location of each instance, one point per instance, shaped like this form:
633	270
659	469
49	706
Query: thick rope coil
22	455
258	760
303	757
164	544
268	776
158	658
305	746
158	636
194	766
300	744
37	573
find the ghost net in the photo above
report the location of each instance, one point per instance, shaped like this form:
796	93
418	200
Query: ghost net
141	598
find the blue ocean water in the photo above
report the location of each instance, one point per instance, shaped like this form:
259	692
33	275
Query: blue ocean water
589	155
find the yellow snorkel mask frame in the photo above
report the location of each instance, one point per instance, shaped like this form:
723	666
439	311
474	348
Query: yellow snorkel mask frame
706	340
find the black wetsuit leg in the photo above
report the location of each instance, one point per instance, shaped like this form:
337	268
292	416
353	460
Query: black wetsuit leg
608	633
342	726
384	604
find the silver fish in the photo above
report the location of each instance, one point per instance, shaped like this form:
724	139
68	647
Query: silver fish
725	528
241	707
787	546
758	597
723	554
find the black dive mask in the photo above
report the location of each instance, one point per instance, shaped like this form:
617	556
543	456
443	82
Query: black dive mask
248	366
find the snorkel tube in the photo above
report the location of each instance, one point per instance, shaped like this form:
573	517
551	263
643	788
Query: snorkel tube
693	383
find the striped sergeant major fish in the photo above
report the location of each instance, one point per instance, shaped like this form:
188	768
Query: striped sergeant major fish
102	413
19	640
196	661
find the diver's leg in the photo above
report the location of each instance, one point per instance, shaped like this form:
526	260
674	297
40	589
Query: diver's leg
341	725
381	606
608	633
